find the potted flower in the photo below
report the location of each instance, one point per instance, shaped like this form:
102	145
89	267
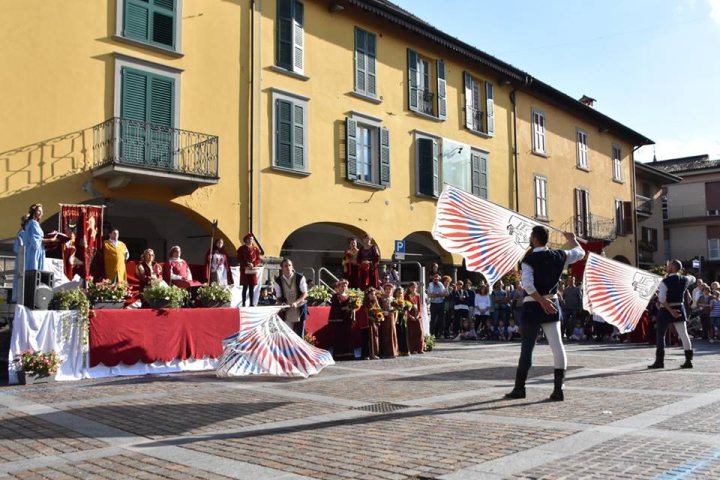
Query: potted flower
429	342
214	295
107	294
35	366
319	295
159	294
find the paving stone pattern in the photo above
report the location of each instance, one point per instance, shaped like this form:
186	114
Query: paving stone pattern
440	415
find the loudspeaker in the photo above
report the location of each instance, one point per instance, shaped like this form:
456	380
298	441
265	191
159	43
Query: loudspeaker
38	292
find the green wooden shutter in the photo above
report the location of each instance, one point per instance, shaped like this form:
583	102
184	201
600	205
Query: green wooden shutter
360	61
478	165
151	21
469	110
384	157
160	112
428	167
412	80
442	87
299	160
163	22
133	106
490	108
370	63
298	37
351	148
136	21
283	133
285	25
475	173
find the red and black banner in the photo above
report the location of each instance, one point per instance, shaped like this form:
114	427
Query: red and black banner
83	224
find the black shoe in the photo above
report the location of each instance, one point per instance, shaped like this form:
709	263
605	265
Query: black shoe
557	394
517	393
656	365
659	360
688	359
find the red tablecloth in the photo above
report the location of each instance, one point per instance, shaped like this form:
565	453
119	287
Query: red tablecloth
132	336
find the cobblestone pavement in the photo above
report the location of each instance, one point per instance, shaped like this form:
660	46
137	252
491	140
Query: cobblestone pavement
440	415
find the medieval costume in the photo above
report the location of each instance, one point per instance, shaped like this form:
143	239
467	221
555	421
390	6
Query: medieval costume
368	259
148	270
414	323
369	319
340	322
217	269
401	309
177	271
116	254
350	264
248	256
388	333
288	290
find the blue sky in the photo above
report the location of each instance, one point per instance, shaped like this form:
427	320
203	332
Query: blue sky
653	65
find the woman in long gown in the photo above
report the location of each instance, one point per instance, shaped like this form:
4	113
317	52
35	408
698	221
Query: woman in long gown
350	263
34	238
388	333
368	259
371	335
401	308
414	320
217	269
340	321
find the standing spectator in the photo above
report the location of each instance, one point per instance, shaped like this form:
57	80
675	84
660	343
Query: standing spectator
448	306
482	306
470	302
516	303
703	310
572	305
499	303
715	315
434	270
460	307
436	292
393	275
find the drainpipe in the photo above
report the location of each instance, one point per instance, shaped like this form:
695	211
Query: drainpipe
634	204
251	118
515	150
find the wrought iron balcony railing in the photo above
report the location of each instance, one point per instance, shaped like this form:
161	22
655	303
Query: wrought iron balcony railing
426	101
591	227
643	204
147	146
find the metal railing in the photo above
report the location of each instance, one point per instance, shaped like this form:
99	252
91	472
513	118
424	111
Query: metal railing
329	274
592	227
426	101
693	210
643	204
119	141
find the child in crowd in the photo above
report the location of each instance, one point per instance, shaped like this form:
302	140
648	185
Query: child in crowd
266	297
502	331
488	331
578	333
513	332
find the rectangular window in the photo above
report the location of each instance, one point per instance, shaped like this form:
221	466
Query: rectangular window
617	163
479	173
582	149
365	54
582	213
648	239
538	127
290	132
290	36
714	249
368	151
619	218
479	105
154	22
423	76
147	100
428	166
541	210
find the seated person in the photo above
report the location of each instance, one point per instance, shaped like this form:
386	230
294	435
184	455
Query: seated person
513	332
266	297
177	271
148	269
578	333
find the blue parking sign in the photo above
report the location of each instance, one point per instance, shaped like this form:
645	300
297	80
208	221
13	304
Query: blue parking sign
400	249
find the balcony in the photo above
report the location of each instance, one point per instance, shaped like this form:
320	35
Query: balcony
592	227
645	256
127	151
693	212
643	205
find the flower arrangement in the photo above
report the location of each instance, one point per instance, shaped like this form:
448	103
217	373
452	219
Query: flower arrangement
310	338
39	364
401	305
319	295
356	293
354	303
161	295
429	341
214	294
377	315
107	292
74	299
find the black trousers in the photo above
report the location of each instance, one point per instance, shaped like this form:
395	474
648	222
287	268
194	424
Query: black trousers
437	319
532	318
664	320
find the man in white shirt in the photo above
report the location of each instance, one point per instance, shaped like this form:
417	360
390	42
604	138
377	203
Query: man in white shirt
291	289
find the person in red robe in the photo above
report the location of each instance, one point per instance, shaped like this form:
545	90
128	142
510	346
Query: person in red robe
350	264
248	260
217	268
370	324
414	320
177	271
388	332
368	259
148	269
340	322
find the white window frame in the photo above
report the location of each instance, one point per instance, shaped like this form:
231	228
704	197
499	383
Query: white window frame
713	246
617	163
539	132
373	124
295	99
541	197
119	17
581	139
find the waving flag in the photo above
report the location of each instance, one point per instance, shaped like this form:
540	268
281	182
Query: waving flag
491	239
265	345
617	292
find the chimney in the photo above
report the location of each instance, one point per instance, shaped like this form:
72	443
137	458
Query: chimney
585	100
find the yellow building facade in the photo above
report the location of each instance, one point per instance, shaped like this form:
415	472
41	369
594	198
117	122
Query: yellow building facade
304	122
